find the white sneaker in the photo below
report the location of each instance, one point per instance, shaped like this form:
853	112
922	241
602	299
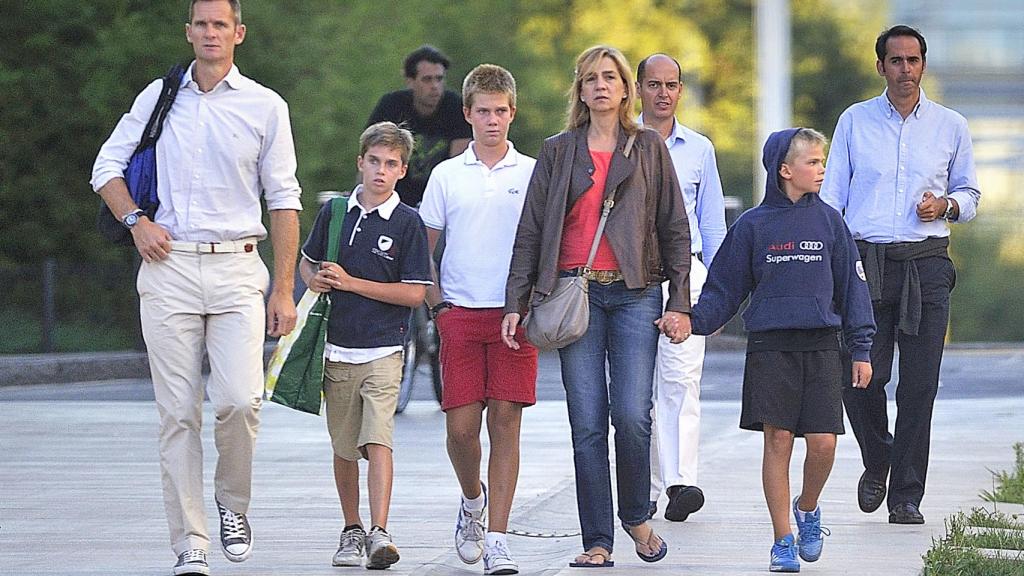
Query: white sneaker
498	560
191	563
235	535
351	548
381	552
470	530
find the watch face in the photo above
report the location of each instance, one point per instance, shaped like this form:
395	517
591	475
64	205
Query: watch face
131	220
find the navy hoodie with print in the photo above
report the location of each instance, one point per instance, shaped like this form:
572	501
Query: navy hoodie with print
797	261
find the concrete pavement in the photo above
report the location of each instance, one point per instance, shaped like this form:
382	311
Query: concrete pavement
80	494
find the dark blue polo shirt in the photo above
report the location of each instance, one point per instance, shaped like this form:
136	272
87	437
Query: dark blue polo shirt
387	244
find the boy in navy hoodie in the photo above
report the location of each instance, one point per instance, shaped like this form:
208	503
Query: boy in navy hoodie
795	258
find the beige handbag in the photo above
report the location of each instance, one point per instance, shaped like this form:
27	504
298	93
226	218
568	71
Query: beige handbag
560	318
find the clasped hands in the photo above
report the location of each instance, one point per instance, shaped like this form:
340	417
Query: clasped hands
675	326
329	277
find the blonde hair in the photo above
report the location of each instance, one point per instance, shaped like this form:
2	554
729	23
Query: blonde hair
389	135
804	137
488	79
578	114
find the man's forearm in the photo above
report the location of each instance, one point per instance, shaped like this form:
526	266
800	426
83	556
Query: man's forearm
284	236
118	199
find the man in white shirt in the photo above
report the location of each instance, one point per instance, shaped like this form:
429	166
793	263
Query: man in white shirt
476	199
226	142
676	414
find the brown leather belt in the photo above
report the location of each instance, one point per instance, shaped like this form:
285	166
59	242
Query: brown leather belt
604	277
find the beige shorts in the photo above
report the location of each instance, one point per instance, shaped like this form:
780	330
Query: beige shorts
361	400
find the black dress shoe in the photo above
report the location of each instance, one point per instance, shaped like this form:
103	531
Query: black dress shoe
870	492
683	501
905	513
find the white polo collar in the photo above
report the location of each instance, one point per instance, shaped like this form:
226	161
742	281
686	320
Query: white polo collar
511	157
385	209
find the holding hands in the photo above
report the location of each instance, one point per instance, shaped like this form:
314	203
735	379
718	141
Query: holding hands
674	325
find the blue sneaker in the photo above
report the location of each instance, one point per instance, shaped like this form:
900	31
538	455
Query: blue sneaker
784	555
809	532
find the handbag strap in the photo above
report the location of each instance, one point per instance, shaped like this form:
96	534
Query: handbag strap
606	208
339	206
169	91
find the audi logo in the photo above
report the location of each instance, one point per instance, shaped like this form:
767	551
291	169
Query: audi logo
809	245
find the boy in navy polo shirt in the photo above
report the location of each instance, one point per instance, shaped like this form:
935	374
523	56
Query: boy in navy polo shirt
383	272
795	258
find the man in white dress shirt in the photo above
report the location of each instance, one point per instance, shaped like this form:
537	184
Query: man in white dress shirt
226	142
676	415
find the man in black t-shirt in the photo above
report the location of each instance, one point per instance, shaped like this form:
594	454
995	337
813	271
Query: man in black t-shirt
431	113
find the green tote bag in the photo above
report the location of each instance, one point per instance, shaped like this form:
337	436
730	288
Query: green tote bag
299	383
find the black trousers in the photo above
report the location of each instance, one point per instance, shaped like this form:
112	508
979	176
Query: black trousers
903	453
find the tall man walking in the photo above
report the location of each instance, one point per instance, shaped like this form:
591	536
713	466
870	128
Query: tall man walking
676	415
901	169
226	143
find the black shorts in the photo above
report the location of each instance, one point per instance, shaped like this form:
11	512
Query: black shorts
796	391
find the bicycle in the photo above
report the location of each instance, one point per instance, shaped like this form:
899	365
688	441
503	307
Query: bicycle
421	354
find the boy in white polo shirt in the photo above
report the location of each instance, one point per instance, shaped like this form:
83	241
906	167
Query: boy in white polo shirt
476	199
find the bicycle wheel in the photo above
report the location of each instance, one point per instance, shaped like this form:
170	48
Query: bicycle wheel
409	362
433	350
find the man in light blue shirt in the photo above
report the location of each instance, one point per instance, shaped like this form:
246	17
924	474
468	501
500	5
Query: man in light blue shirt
901	169
676	414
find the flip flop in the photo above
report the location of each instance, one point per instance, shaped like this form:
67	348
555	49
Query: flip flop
662	551
605	556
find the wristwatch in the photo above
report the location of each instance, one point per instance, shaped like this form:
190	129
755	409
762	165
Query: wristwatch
132	218
948	214
436	309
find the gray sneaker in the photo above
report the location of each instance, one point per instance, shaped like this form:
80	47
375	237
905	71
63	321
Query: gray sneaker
470	530
381	552
191	563
235	534
351	549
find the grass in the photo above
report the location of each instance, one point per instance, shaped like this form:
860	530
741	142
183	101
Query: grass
22	334
1009	485
959	553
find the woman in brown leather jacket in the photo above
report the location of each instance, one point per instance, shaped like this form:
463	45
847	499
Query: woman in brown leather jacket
646	239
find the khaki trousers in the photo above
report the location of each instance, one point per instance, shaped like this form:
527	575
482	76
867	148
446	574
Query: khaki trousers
190	304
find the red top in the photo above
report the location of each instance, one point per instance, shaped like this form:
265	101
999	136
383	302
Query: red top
581	224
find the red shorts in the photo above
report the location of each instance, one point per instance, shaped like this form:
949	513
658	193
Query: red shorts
476	365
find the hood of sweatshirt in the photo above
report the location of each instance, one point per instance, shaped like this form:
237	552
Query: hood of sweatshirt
774	153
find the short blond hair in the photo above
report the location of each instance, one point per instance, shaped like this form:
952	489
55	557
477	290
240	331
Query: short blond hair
389	135
488	79
578	114
804	137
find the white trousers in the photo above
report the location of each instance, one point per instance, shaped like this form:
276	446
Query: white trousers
675	426
190	304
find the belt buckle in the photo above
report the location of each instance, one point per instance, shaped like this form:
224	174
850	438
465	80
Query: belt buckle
605	277
213	247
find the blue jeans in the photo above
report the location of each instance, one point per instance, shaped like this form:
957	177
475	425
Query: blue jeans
621	332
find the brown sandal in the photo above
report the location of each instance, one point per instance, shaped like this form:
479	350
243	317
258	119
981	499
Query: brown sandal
588	557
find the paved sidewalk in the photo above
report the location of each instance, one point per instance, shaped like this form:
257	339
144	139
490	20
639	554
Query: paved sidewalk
80	494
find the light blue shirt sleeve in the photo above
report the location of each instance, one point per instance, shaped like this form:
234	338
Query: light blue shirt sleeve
693	157
710	207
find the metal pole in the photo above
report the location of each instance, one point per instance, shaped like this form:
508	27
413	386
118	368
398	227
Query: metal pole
49	321
774	82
